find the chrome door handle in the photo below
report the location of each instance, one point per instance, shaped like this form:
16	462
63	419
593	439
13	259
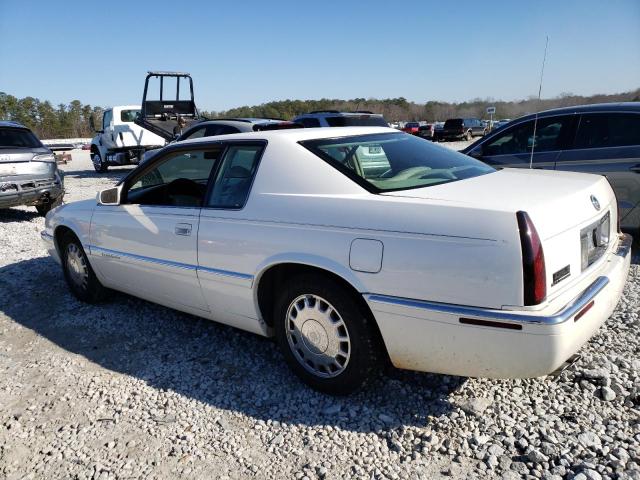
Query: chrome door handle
183	229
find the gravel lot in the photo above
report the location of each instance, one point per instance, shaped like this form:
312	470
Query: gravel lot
129	389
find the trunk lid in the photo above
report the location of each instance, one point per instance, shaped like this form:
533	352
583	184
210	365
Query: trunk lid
567	209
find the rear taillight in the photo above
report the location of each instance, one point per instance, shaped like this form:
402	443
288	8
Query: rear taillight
534	274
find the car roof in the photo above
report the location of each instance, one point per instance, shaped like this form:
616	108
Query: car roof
293	135
320	113
591	108
12	124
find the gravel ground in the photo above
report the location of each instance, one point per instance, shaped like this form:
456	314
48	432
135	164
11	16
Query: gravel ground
129	389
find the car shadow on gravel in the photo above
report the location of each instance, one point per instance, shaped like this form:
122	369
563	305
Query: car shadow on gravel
202	360
15	215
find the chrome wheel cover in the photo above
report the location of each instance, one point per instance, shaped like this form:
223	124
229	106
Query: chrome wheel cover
318	336
77	266
97	161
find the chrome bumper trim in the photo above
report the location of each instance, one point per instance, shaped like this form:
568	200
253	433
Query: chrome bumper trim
624	245
569	311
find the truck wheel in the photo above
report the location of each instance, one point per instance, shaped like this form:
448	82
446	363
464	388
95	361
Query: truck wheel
97	163
324	336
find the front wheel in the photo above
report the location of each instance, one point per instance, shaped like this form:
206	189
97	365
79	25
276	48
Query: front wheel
469	136
78	273
98	164
325	337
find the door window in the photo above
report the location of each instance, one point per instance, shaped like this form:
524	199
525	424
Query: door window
214	130
601	130
309	122
179	180
106	119
550	133
195	133
233	180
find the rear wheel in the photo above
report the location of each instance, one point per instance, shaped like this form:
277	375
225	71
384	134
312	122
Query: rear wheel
80	277
325	337
98	164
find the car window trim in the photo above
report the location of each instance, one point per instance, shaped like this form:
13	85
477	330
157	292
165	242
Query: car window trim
214	172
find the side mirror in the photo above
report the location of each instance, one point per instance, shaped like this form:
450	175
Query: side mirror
110	196
92	124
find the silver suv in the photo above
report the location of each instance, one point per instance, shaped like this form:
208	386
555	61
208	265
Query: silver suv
29	174
334	118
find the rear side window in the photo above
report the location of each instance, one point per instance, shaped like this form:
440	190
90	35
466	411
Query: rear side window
18	138
235	175
601	130
550	133
395	161
357	121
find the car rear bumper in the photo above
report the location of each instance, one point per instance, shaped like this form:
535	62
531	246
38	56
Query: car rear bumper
14	192
478	342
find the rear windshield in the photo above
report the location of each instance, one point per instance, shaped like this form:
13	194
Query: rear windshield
357	121
453	123
18	138
412	125
129	115
395	161
262	127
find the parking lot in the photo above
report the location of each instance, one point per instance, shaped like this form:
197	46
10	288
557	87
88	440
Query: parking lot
129	389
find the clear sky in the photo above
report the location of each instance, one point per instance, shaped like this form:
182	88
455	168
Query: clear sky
249	52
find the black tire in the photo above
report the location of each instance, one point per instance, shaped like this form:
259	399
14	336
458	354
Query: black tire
98	164
469	136
91	290
46	207
363	345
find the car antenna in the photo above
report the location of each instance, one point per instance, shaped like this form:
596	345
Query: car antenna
535	122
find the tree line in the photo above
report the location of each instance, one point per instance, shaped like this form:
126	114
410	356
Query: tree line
400	109
72	120
62	121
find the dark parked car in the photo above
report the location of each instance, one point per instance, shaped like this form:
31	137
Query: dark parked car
602	139
463	128
226	126
29	174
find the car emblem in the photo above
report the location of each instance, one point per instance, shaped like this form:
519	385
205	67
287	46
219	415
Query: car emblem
595	202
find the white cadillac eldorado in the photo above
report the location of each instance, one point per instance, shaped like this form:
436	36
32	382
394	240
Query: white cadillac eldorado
352	245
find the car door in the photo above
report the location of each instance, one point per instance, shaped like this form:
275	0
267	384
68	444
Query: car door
225	265
147	245
513	146
608	144
108	137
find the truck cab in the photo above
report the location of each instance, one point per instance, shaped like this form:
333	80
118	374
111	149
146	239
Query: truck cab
121	141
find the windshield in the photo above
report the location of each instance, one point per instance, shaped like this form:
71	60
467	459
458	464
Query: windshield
395	161
18	138
357	121
129	115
